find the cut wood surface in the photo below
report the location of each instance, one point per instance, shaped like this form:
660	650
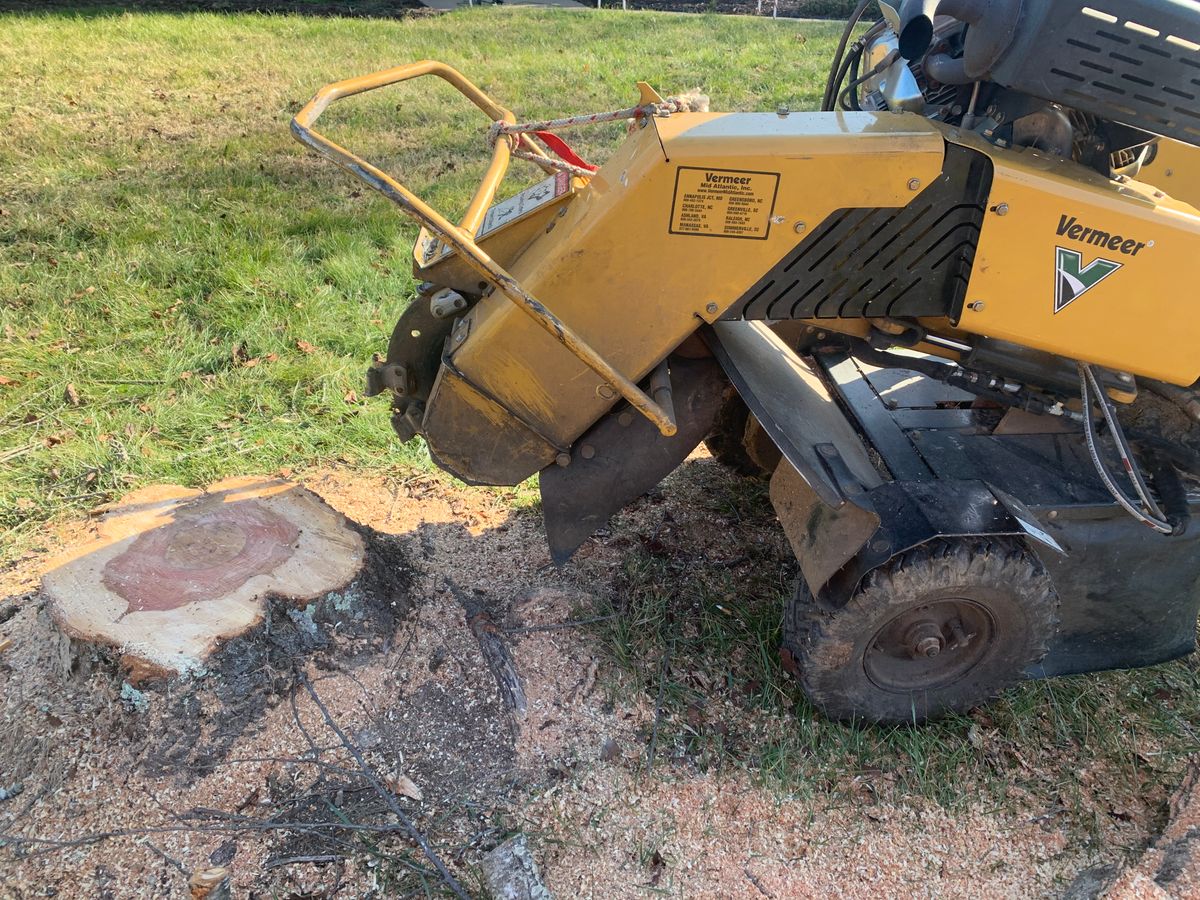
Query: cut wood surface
173	571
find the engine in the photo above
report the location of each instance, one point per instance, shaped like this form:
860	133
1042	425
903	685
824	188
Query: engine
1089	84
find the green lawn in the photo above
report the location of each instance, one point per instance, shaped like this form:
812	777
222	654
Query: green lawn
211	291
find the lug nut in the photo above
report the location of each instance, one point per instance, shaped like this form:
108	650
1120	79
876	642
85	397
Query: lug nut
929	647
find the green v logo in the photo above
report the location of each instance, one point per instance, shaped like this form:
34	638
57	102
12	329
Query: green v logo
1072	279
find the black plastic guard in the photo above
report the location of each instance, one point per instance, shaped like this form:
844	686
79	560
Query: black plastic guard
623	455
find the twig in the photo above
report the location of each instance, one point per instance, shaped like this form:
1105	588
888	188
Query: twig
172	860
574	623
754	881
384	793
495	652
289	860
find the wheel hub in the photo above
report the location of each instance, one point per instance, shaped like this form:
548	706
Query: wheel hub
930	646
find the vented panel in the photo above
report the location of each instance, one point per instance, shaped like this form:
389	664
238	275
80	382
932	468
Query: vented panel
906	261
1132	61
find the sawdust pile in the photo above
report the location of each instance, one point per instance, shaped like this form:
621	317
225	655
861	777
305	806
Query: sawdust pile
241	770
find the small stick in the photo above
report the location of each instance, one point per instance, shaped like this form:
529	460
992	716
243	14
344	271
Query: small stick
384	793
289	860
495	652
754	881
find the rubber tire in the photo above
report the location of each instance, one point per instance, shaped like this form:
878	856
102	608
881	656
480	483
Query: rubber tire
726	441
829	648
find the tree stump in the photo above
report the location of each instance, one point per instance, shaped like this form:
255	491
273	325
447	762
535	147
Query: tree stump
173	571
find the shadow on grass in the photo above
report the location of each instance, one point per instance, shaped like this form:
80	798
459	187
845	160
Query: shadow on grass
383	9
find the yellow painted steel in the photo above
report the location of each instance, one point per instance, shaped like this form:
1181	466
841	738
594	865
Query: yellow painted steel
633	289
1142	319
461	237
1176	169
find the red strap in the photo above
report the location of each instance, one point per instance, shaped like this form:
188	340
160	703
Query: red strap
560	149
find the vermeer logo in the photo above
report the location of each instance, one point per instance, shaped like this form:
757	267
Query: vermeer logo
1070	227
1072	279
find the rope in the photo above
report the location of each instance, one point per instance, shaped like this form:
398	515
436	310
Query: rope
572	163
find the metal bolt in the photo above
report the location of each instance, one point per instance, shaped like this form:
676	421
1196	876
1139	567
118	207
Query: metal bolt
587	451
977	306
914	183
605	392
1002	209
563	459
625	419
798	227
929	647
711	309
1054	513
881	546
924	639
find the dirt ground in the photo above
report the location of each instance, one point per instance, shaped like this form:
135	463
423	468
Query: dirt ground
240	768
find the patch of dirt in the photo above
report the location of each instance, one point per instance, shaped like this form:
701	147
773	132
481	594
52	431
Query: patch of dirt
241	769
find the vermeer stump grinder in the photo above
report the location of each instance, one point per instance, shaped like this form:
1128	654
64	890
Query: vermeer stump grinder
949	316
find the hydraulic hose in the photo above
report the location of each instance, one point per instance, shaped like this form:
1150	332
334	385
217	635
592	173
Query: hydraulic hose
835	66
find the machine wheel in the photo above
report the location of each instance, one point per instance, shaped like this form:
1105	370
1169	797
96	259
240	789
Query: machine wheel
942	629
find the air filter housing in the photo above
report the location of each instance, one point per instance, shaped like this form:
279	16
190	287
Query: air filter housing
1133	61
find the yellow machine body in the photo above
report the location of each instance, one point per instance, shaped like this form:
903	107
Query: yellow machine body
693	208
635	278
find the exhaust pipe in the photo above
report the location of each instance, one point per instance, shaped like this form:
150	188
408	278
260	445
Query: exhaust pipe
994	22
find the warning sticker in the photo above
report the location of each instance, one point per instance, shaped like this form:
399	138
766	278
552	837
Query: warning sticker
723	203
507	211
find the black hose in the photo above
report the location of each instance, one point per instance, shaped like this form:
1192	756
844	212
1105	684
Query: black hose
849	97
835	65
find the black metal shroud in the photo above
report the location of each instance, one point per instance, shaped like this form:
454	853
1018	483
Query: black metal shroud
894	262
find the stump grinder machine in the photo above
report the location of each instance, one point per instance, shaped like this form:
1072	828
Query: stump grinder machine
949	317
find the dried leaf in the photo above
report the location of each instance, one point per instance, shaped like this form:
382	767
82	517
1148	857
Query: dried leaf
6	382
271	357
144	407
404	786
250	363
305	347
70	395
351	397
184	376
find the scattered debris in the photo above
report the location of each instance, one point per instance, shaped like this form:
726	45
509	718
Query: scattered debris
1170	867
512	873
133	698
211	884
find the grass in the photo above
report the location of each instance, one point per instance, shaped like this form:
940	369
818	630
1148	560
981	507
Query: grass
211	292
699	628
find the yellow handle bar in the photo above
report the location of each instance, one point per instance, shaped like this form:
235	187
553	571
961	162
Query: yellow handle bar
461	237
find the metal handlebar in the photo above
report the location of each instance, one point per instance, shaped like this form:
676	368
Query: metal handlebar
461	237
